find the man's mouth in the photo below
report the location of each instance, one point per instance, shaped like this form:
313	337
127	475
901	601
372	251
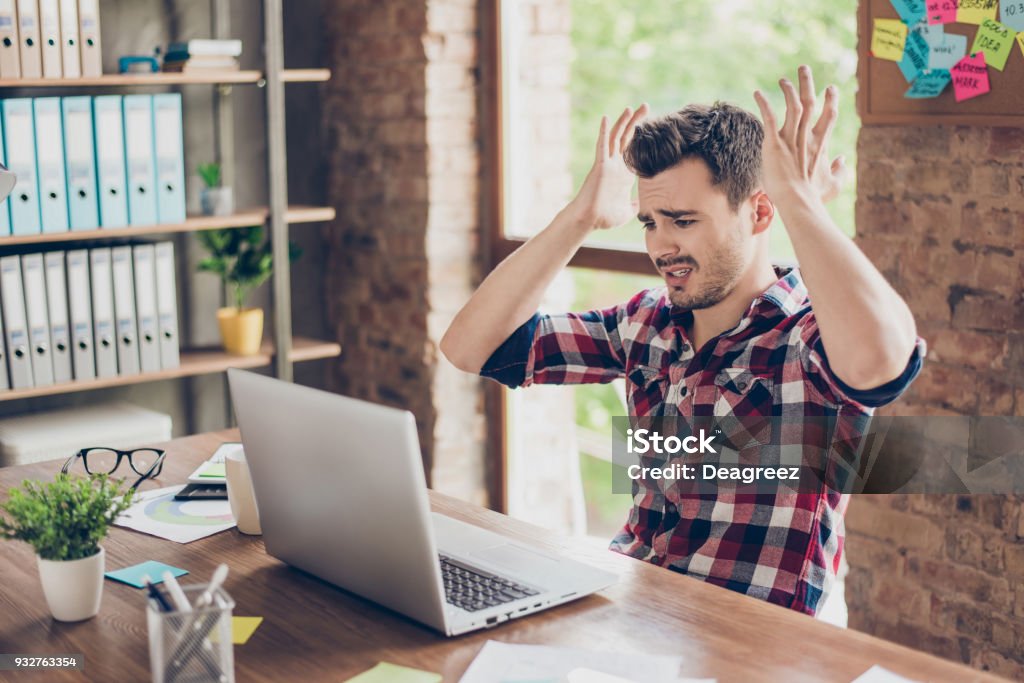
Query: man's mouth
677	277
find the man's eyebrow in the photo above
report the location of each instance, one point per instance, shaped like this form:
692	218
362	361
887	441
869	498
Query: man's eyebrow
668	213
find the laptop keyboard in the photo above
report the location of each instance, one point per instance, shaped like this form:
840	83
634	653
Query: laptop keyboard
474	590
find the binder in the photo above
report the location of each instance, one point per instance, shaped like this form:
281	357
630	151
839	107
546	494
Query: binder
57	307
138	152
167	305
80	312
49	39
71	58
28	32
145	307
170	158
124	311
5	203
53	183
83	209
10	47
89	37
15	324
19	141
5	382
34	281
103	312
109	150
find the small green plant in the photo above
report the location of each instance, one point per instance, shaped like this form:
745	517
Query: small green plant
65	519
241	258
210	174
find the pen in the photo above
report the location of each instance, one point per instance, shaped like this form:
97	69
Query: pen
155	593
219	574
177	595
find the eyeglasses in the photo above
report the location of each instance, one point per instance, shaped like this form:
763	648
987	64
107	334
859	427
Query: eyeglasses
147	462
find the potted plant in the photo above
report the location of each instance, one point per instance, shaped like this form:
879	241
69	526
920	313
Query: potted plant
242	259
214	200
64	521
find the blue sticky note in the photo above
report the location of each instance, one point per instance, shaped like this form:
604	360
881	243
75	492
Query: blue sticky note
915	56
910	11
133	575
946	54
929	84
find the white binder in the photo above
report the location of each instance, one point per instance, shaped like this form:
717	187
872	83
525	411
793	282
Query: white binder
60	331
145	307
28	32
89	37
167	305
10	48
103	312
5	383
124	311
71	56
15	324
80	310
49	38
34	280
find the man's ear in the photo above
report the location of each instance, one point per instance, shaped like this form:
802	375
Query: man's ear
762	211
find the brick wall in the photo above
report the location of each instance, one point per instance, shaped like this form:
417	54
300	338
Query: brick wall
941	211
403	160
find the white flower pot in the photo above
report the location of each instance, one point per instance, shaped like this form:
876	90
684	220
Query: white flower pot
73	588
217	201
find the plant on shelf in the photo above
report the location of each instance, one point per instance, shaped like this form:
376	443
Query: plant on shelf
242	259
65	521
215	200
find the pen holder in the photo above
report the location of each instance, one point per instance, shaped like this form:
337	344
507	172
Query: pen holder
192	646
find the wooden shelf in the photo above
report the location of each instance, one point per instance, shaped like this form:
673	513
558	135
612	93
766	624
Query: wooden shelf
193	363
241	219
166	78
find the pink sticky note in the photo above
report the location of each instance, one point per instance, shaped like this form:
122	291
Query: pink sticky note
970	77
941	11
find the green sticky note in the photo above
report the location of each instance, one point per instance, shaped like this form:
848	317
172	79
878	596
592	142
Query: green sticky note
392	673
996	41
214	470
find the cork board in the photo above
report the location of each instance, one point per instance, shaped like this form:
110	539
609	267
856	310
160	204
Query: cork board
880	99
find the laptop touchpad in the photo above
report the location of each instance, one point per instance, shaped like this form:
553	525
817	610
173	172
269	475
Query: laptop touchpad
515	558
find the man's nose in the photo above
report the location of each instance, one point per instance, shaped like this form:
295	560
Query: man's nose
660	245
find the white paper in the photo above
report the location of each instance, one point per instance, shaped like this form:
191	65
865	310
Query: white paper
504	663
877	674
158	514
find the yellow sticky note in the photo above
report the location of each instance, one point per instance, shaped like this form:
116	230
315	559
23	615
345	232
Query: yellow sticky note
976	11
242	629
1020	41
888	39
392	673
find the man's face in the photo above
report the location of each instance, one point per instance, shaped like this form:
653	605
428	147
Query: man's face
700	246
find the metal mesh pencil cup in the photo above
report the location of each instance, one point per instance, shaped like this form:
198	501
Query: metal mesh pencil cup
192	647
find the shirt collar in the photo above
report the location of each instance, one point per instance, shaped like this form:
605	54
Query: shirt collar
787	295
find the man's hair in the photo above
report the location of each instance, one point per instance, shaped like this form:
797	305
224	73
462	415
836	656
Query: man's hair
728	139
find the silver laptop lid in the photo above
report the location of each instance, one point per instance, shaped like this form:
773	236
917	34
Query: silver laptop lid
341	492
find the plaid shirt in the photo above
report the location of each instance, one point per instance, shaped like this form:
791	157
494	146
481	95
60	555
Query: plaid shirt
781	547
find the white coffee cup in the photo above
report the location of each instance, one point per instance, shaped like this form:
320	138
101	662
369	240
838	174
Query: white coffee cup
240	493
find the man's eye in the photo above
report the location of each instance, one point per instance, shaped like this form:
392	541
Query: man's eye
684	223
649	226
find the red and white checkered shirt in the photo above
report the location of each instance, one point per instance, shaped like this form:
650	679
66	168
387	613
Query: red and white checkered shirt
783	547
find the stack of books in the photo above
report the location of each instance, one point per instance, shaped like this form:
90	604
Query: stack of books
203	55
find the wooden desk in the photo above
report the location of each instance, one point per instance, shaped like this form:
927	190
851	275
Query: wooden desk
315	632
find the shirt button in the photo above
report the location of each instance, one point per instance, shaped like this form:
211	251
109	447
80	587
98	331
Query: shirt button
742	386
670	509
686	347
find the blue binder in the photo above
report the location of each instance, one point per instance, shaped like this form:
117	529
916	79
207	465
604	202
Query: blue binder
108	126
53	184
83	205
170	157
5	205
138	151
20	144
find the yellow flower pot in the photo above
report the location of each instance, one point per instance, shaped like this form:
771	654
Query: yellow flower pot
241	329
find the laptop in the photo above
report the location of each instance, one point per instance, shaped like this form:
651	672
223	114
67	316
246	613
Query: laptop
342	495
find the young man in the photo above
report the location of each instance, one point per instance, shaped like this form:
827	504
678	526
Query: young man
727	336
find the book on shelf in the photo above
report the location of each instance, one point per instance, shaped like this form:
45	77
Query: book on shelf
206	48
200	64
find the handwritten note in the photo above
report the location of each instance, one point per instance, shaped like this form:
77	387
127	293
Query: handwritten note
970	77
976	11
996	41
946	54
1011	13
889	39
941	11
915	56
910	11
929	84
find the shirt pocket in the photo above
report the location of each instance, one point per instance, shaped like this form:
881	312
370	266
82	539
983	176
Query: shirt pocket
646	390
744	404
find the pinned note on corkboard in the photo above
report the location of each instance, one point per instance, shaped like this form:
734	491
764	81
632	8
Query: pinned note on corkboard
929	70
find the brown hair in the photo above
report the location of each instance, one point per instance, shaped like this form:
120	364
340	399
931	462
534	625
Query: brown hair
728	139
